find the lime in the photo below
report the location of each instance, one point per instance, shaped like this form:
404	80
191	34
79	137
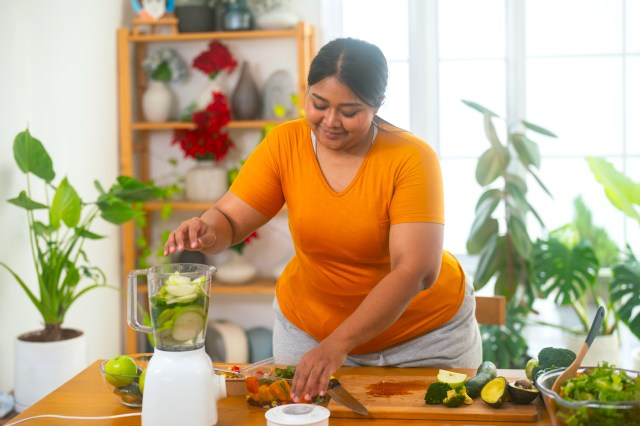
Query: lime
528	370
453	379
120	370
141	380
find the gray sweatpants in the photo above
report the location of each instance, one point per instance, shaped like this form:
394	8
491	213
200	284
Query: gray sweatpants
457	344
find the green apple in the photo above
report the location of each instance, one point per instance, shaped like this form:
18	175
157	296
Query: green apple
141	380
120	370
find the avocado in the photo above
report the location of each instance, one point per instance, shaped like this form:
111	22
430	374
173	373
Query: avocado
485	373
495	392
522	391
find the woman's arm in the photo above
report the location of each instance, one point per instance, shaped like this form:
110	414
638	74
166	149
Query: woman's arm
227	223
416	255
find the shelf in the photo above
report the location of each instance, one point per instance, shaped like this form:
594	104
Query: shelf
175	125
178	205
219	35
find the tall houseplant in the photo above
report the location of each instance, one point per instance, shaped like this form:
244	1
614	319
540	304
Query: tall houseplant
58	228
499	232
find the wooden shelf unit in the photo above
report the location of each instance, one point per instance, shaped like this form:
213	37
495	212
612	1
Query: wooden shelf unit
134	135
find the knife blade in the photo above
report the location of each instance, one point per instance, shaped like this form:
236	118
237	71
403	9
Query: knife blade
343	397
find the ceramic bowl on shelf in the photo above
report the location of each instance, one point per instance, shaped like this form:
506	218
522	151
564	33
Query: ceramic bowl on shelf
126	387
591	411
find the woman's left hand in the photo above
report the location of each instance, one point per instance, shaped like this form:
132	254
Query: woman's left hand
314	371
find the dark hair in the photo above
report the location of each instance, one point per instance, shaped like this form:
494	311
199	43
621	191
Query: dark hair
356	63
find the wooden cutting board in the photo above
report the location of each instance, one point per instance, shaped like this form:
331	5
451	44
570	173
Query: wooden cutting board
402	397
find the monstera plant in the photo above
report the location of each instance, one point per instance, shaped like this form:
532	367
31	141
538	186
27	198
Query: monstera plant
499	234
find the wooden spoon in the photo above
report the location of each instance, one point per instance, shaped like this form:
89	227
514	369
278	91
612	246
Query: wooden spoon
570	371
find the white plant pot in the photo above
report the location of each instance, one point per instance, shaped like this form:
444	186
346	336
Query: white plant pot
604	348
206	182
157	102
41	367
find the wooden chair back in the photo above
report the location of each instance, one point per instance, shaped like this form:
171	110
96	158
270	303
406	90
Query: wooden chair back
491	310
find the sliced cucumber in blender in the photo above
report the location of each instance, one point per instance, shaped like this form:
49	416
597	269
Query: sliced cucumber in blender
187	325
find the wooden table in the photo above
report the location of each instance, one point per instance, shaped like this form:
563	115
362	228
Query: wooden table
87	395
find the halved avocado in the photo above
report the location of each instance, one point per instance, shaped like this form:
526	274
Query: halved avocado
522	391
495	392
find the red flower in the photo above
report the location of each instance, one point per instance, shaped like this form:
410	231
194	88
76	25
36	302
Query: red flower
207	140
239	248
215	59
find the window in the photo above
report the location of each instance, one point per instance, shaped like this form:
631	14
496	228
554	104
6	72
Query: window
571	66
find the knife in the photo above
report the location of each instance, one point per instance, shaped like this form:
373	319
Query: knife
343	397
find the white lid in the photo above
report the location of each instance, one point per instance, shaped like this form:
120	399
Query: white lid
297	414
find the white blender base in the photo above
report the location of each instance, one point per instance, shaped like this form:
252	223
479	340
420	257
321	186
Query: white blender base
181	389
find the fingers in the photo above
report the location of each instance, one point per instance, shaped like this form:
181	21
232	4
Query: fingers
190	235
312	376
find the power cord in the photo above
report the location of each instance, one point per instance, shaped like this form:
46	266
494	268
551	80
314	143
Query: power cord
57	416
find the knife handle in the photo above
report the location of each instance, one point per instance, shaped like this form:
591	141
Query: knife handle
333	382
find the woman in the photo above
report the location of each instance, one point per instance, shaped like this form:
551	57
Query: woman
369	283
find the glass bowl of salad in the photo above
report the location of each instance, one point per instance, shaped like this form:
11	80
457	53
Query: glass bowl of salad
268	383
601	395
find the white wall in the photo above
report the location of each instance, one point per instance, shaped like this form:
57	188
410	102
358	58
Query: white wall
58	62
58	76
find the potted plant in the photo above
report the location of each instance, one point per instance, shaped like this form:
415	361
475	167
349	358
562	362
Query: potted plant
162	67
59	226
499	234
569	264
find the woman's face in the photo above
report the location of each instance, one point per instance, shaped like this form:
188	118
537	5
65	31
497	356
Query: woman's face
338	118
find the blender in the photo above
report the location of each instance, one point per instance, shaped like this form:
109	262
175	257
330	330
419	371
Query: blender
180	387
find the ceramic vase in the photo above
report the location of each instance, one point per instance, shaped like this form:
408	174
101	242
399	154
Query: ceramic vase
195	18
41	367
237	270
206	96
157	102
276	19
603	348
246	100
206	182
237	16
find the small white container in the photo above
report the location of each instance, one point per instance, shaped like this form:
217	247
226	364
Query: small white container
298	415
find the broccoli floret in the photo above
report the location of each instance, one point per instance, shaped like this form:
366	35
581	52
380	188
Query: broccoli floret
551	358
462	390
436	393
454	399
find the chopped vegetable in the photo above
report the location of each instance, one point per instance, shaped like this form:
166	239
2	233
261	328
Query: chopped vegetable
436	393
454	399
604	384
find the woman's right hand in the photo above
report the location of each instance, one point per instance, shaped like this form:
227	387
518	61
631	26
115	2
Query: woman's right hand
193	234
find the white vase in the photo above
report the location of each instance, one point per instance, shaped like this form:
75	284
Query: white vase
157	102
276	19
604	348
206	96
41	367
237	270
205	182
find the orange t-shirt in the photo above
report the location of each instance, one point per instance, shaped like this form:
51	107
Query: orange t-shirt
341	239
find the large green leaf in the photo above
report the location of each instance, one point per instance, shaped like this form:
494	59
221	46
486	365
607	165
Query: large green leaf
116	211
538	129
490	132
528	151
563	271
480	108
624	291
66	206
490	258
623	193
25	202
480	235
491	165
519	235
519	200
32	157
130	189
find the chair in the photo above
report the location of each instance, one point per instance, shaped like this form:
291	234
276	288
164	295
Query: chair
491	310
